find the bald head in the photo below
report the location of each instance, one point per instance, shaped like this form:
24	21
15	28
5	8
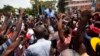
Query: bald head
69	52
39	31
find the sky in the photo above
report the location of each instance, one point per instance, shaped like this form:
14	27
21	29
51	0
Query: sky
16	3
19	3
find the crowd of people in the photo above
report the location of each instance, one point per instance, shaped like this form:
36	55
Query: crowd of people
61	35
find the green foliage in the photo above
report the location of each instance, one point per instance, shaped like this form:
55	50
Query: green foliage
61	6
47	4
8	8
38	5
29	11
1	10
35	9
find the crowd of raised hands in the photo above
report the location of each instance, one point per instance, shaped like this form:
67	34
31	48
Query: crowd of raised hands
62	35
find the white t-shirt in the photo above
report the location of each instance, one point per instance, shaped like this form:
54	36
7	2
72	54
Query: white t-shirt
40	48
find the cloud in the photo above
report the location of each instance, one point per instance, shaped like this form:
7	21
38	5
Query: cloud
16	3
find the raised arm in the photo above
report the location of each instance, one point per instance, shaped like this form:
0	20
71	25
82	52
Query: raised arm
78	40
18	26
61	36
13	46
85	17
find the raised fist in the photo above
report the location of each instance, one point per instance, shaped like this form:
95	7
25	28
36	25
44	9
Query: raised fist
21	11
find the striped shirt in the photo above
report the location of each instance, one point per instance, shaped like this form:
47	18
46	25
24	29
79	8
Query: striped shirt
4	46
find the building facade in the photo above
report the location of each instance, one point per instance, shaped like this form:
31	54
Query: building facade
79	4
98	4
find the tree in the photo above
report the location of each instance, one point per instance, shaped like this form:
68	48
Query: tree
43	5
35	9
8	8
61	6
29	11
39	5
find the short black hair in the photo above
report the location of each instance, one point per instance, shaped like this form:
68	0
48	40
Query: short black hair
86	13
97	24
66	30
2	39
98	49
